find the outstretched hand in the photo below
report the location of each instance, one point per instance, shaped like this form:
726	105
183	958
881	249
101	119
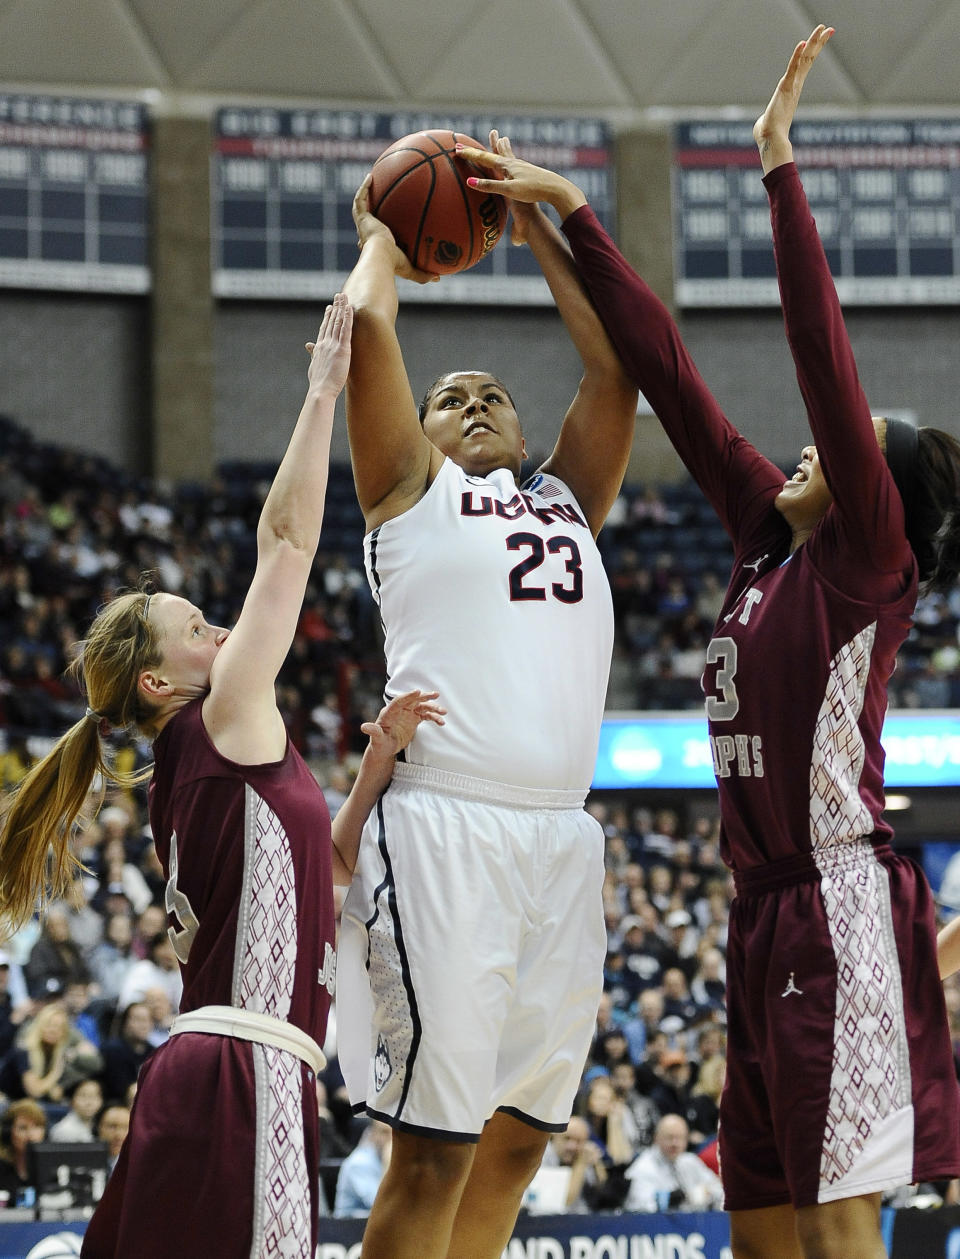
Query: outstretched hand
369	226
521	212
771	131
330	353
520	181
397	722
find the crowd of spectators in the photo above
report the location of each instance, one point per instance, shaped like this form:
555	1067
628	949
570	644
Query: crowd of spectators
87	993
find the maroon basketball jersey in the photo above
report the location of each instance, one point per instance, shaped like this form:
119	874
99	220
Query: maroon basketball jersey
796	672
247	854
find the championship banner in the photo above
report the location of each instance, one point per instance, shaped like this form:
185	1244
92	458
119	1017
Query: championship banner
73	194
885	194
284	182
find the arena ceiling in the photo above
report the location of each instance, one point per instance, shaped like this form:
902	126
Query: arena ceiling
616	58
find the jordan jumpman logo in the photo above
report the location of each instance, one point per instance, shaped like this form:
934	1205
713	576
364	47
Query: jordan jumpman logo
791	987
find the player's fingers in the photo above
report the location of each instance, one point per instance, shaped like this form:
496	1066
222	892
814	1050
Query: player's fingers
325	323
489	185
310	346
479	157
361	201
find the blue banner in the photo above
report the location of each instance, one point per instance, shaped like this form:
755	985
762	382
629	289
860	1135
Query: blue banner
672	750
702	1235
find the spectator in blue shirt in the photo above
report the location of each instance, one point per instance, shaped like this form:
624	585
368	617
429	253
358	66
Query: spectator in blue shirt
362	1172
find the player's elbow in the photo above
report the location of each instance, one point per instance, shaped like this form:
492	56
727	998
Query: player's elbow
284	539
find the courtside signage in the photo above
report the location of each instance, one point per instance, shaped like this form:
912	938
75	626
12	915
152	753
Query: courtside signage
671	750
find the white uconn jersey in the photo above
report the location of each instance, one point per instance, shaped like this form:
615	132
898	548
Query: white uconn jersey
496	597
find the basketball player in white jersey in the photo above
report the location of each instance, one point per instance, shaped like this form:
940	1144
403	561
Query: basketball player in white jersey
475	921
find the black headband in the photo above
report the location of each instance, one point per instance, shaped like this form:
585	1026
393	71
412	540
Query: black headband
901	454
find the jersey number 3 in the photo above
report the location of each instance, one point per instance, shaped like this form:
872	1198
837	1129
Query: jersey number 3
570	590
723	653
176	903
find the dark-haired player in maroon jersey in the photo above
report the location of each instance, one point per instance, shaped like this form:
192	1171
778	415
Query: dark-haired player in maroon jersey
221	1155
840	1082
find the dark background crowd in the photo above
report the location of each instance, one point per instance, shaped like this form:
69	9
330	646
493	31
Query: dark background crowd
90	990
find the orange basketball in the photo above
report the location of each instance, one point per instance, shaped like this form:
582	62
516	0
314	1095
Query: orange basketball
419	190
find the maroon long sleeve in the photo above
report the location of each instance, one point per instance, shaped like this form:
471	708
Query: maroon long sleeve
739	482
865	496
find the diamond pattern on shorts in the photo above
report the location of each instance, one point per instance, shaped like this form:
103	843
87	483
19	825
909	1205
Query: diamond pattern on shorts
867	1082
837	813
270	942
287	1200
394	1022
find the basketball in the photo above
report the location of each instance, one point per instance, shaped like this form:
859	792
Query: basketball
419	190
59	1246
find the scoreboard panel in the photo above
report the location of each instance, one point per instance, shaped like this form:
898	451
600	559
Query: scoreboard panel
284	182
885	194
73	194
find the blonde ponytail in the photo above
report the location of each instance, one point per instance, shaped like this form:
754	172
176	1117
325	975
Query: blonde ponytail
37	861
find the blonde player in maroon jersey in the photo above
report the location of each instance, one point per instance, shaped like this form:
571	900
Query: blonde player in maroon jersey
221	1155
840	1078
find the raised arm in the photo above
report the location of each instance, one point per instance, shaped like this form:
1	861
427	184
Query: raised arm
240	712
648	343
393	463
853	464
393	729
594	444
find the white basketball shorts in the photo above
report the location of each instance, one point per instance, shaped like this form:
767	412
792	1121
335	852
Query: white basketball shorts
471	954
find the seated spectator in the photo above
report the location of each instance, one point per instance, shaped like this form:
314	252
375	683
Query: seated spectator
55	960
610	1049
705	1095
660	888
13	1011
52	1056
641	1026
118	872
83	1012
667	1177
682	941
605	1115
159	969
162	1015
680	1011
113	958
125	1054
588	1175
640	1113
643	948
23	1123
85	922
86	1101
113	1123
709	985
362	1171
150	924
675	1096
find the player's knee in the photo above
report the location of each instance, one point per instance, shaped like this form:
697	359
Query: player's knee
428	1168
839	1238
516	1161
